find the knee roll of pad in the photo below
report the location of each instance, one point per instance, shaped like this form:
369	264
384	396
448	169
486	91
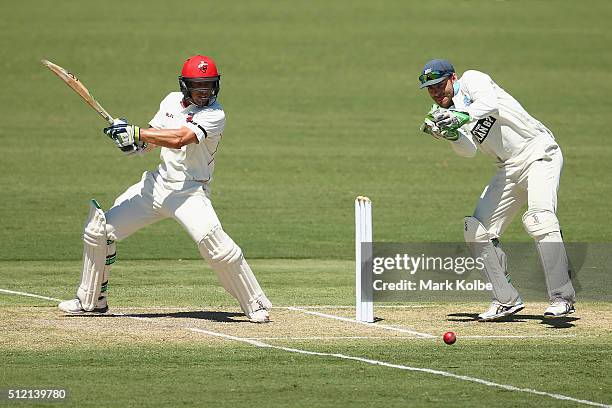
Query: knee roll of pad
538	223
474	231
218	247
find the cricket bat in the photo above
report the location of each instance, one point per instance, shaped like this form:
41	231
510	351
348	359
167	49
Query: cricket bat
77	86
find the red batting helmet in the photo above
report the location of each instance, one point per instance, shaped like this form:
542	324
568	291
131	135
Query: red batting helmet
200	73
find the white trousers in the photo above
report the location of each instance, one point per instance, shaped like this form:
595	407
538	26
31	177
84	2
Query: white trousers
537	185
152	200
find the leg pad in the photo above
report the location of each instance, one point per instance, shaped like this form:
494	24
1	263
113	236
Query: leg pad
94	257
235	274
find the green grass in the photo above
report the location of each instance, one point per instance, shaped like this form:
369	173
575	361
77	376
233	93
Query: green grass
192	376
322	105
186	283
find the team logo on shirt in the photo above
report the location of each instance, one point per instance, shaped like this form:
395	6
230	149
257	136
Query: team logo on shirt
481	130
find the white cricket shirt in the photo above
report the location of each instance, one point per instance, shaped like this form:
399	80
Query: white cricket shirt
500	126
195	161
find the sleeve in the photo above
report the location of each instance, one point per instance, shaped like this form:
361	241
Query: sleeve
480	88
157	121
208	123
464	146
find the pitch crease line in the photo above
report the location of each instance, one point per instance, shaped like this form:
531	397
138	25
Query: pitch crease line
518	336
401	367
325	338
351	307
14	292
375	325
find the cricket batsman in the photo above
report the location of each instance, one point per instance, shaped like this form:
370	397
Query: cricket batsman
473	113
188	127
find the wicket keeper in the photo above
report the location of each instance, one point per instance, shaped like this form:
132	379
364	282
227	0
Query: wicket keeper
188	127
474	113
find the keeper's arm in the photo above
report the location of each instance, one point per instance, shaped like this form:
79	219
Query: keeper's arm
464	145
480	88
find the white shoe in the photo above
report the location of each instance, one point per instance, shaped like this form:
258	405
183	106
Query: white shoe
74	306
260	316
498	310
559	308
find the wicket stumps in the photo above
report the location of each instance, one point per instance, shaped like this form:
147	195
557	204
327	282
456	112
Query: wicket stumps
363	253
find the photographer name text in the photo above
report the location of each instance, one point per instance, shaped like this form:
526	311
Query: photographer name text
431	285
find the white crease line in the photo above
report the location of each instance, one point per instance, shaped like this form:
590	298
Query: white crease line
13	292
353	307
375	325
511	336
459	337
325	338
402	367
186	308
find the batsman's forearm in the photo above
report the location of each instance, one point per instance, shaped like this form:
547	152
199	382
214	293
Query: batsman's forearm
171	138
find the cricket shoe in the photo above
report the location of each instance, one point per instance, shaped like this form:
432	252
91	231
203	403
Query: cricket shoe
74	306
261	315
498	310
559	308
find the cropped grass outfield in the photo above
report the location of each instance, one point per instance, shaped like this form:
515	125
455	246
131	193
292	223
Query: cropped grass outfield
323	105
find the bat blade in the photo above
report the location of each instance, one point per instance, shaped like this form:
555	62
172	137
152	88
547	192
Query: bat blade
77	86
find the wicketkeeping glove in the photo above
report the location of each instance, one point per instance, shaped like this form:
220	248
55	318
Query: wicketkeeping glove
447	119
430	127
125	136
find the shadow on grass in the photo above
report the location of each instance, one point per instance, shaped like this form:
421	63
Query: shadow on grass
553	323
224	317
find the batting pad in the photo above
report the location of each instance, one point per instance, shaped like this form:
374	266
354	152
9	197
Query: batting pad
493	258
94	257
235	274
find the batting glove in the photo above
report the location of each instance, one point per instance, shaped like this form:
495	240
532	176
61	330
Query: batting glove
448	119
125	136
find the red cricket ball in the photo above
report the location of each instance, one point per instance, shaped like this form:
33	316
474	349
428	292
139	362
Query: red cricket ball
449	338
